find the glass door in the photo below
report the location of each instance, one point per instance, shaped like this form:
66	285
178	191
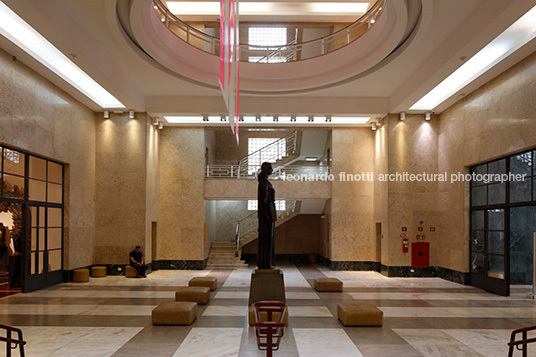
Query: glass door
488	251
44	253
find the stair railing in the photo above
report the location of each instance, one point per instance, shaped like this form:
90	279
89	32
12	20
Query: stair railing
248	224
272	152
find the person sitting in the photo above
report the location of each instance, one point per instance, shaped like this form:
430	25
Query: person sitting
136	260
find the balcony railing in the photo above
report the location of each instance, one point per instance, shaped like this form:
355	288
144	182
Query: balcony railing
286	53
306	173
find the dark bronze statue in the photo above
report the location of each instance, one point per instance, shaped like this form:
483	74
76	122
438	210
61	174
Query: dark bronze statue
267	217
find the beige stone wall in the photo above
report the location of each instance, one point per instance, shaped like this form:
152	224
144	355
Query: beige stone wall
325	230
412	149
152	184
496	120
38	117
181	206
381	166
121	188
352	205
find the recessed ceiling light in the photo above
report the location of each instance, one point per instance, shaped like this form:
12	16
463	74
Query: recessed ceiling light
518	34
23	35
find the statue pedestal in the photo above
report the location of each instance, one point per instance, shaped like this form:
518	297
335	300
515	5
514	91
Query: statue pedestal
266	285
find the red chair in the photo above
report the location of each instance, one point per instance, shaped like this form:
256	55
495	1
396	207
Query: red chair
520	345
269	332
10	341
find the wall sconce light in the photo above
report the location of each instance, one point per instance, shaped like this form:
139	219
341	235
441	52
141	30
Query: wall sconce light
257	118
155	121
161	125
293	118
222	118
378	122
311	119
276	118
427	116
328	118
106	114
131	114
373	126
205	117
402	115
241	118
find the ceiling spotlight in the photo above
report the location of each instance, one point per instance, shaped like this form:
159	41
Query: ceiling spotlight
373	126
258	118
223	118
161	125
311	119
155	121
378	122
427	116
328	119
205	117
240	118
131	114
106	114
402	115
293	118
276	119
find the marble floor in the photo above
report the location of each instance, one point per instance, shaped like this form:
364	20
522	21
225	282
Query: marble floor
422	317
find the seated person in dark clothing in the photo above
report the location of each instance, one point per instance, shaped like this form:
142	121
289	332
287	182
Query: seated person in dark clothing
136	260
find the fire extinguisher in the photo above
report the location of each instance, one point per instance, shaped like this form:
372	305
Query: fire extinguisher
405	244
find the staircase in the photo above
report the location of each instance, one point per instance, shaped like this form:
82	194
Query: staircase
280	152
248	226
222	256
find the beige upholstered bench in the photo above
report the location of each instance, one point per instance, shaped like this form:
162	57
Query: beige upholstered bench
174	313
264	316
207	281
81	275
359	314
328	284
98	272
198	294
130	272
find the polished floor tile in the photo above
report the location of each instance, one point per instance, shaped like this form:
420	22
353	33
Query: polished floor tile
422	317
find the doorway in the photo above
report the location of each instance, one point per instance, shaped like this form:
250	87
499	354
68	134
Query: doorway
31	191
503	221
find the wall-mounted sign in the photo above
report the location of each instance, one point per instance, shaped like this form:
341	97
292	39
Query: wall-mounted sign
404	229
432	229
420	229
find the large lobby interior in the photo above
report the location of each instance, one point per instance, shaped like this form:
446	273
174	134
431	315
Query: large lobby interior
402	134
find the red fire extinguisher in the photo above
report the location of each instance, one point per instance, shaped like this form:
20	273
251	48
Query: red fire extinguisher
405	244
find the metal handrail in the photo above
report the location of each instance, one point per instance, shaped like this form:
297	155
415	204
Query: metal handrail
19	342
248	224
273	153
246	50
310	173
520	343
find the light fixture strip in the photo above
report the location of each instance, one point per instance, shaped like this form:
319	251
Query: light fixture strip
510	40
32	42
